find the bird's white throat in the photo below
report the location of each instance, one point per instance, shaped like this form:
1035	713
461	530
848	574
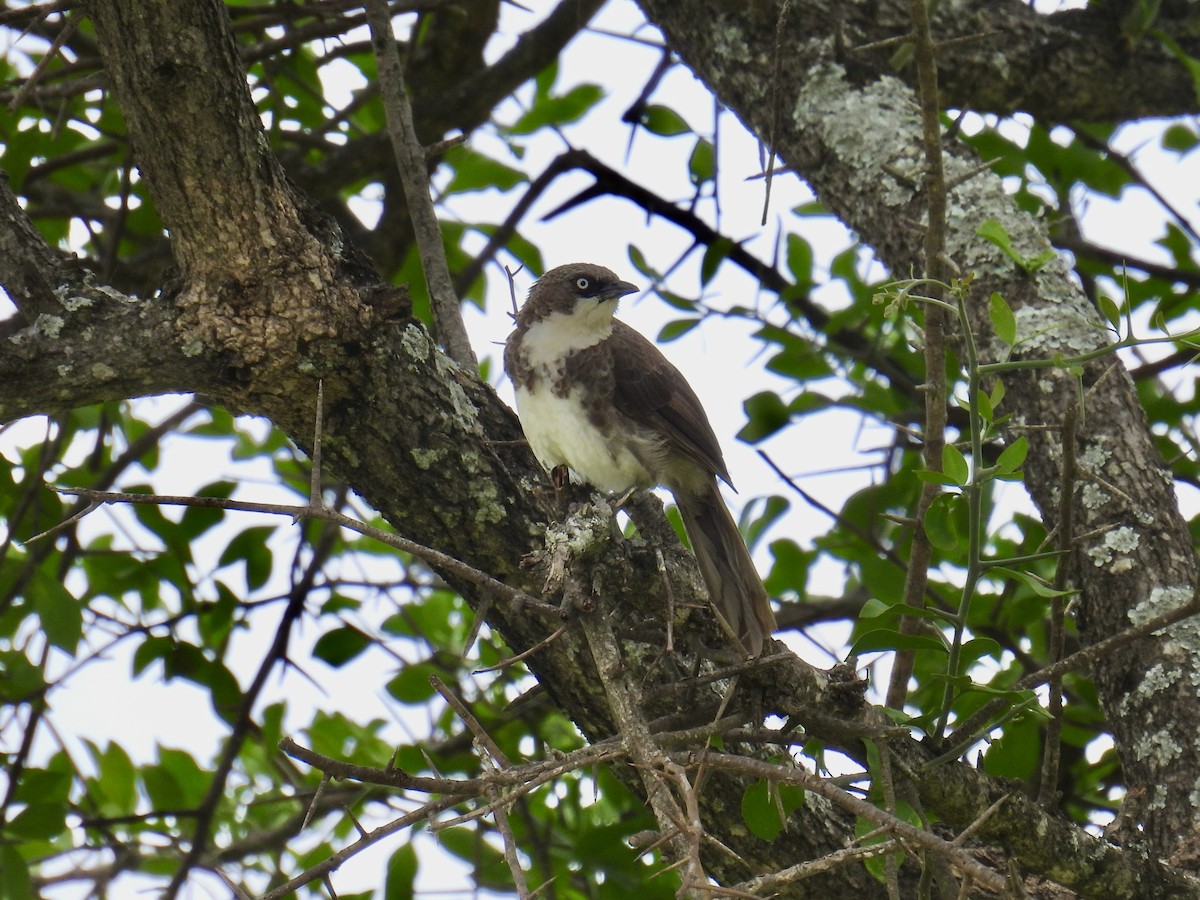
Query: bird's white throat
549	340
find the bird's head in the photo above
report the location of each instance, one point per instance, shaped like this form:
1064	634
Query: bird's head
579	291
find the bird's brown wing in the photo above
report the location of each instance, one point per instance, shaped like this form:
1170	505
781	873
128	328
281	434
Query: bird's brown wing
652	392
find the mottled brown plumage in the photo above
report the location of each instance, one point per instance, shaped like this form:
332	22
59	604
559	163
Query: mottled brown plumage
595	395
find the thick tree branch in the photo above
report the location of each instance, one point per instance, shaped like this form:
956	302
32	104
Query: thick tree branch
194	128
101	346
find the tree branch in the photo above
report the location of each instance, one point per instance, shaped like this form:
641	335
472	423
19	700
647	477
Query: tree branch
448	325
29	267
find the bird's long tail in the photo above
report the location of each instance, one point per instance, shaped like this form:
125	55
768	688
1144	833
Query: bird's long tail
733	582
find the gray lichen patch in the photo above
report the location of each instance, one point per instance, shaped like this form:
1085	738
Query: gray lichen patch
416	343
1184	637
829	102
1113	551
50	326
1047	330
426	457
102	372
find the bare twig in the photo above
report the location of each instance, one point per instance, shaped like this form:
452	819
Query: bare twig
422	813
525	654
777	93
60	39
1048	790
389	777
765	885
934	185
435	558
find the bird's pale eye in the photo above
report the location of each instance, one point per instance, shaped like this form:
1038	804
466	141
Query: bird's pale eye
582	283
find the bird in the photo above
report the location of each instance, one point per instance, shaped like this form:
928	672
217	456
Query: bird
596	396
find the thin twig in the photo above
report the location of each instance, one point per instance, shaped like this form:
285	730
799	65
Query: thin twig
525	654
421	814
1048	790
435	558
60	39
933	439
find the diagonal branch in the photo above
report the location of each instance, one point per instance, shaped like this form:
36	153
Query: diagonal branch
448	325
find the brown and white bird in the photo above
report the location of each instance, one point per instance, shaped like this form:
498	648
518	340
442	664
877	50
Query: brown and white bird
596	396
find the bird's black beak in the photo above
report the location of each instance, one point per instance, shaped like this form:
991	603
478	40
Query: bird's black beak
617	290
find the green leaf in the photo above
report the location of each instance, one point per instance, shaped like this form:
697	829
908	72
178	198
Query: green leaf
790	565
893	639
760	811
162	788
61	614
1039	261
1014	454
940	522
664	121
191	780
464	843
1034	583
800	262
1180	138
473	171
715	254
1111	312
954	465
38	822
766	413
677	329
250	546
875	611
198	519
997	394
638	259
341	645
976	649
401	874
558	110
151	650
21	678
755	525
993	231
49	785
812	208
702	163
412	684
14	875
1004	323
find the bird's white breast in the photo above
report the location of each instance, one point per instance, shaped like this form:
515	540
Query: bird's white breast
559	432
